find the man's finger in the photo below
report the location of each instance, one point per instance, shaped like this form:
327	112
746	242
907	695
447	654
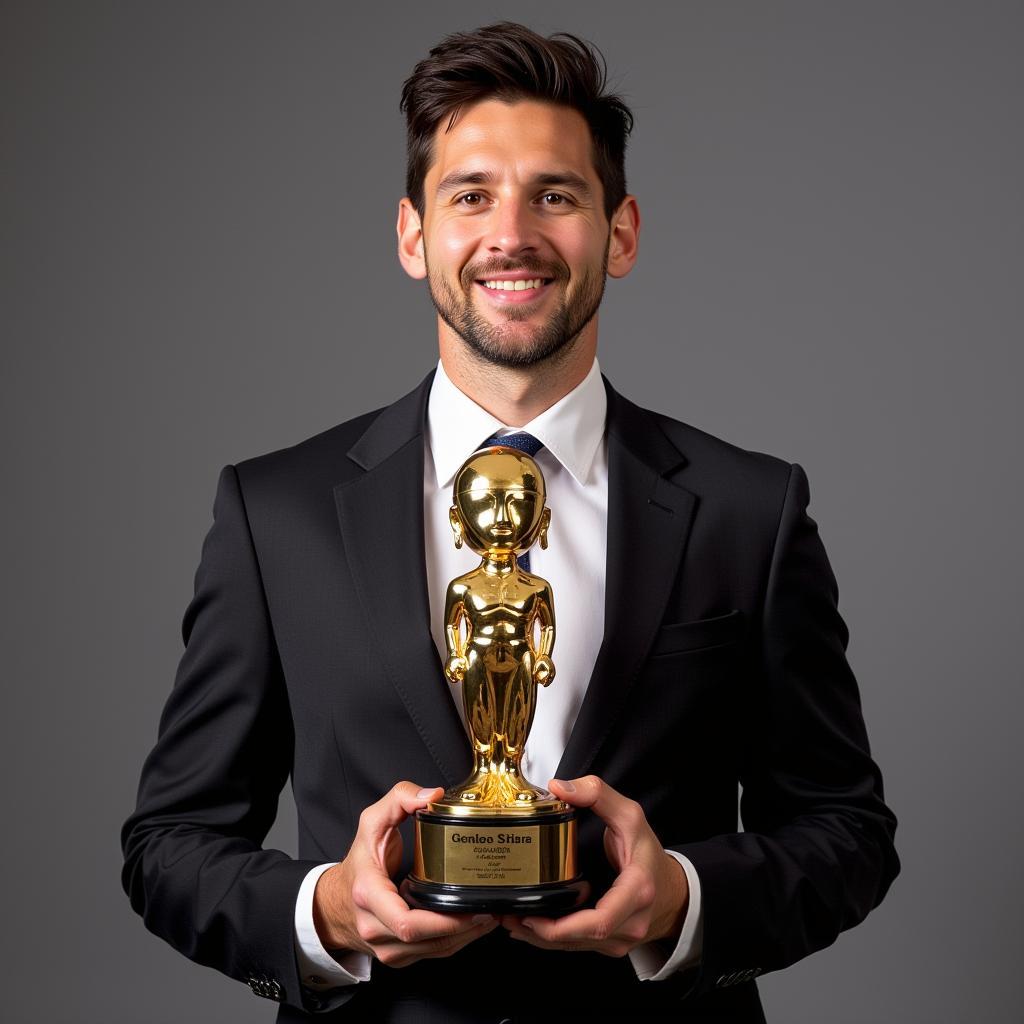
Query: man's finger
411	925
613	909
525	935
446	947
395	806
614	809
400	954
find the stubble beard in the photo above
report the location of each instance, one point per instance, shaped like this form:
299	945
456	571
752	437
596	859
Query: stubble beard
500	344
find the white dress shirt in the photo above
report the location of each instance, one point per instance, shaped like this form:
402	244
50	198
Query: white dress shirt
574	461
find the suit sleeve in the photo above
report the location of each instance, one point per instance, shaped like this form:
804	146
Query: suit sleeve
194	866
817	852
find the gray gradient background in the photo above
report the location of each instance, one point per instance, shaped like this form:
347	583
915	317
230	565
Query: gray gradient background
198	265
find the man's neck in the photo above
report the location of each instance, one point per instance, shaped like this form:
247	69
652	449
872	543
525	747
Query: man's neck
518	394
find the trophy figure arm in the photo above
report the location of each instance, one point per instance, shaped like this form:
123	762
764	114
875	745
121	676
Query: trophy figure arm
455	613
547	641
543	666
546	614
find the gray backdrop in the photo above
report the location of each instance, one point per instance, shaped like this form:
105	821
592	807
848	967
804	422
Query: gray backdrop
198	266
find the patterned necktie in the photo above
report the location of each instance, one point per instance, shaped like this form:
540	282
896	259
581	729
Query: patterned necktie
524	442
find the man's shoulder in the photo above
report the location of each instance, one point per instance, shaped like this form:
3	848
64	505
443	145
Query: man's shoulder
707	458
321	456
737	485
700	445
324	458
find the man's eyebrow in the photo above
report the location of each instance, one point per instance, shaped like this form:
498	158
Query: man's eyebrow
568	179
450	182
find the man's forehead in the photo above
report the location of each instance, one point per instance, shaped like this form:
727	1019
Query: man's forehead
530	137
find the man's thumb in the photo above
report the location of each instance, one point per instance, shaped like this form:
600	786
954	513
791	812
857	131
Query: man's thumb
397	804
606	802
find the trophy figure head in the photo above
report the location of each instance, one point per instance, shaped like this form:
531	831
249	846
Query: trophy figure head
499	504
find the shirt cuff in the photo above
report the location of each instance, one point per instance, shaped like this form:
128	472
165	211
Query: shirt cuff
650	961
317	968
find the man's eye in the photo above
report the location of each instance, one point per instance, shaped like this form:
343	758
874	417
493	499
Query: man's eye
470	199
559	199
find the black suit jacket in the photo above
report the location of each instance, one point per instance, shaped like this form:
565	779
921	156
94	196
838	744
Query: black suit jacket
309	654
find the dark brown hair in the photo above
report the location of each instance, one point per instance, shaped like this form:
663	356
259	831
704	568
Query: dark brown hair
508	61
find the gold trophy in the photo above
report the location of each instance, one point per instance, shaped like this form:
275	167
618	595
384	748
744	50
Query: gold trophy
496	843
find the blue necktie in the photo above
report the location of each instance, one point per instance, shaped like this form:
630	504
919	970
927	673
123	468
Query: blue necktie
524	442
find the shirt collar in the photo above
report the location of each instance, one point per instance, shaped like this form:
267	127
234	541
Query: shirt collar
571	429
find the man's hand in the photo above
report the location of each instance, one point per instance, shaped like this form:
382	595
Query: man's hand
357	906
648	899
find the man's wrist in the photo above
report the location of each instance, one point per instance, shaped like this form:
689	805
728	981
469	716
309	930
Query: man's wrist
674	915
660	960
320	909
318	967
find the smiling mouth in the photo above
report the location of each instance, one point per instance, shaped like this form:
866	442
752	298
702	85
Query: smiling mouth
506	292
504	285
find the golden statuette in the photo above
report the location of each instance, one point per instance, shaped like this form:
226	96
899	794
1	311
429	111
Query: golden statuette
497	842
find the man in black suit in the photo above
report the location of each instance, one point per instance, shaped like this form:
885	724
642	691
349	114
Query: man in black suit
705	652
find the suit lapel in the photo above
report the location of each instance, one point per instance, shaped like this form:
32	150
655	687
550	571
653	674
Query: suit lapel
649	521
380	514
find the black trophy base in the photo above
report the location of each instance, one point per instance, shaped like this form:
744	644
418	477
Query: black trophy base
553	899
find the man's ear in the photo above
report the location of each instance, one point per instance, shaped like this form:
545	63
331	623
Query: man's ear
456	521
545	522
624	239
410	240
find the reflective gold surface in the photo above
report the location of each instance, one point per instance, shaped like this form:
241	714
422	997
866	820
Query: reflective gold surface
497	843
500	630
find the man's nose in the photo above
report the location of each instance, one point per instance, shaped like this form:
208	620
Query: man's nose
513	228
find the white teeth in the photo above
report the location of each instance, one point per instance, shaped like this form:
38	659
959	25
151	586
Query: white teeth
514	286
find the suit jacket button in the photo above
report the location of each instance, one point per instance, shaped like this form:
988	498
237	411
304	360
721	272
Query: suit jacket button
265	987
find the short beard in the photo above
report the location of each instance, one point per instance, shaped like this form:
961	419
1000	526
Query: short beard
556	336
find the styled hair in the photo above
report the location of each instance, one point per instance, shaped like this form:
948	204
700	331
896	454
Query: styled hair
510	62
